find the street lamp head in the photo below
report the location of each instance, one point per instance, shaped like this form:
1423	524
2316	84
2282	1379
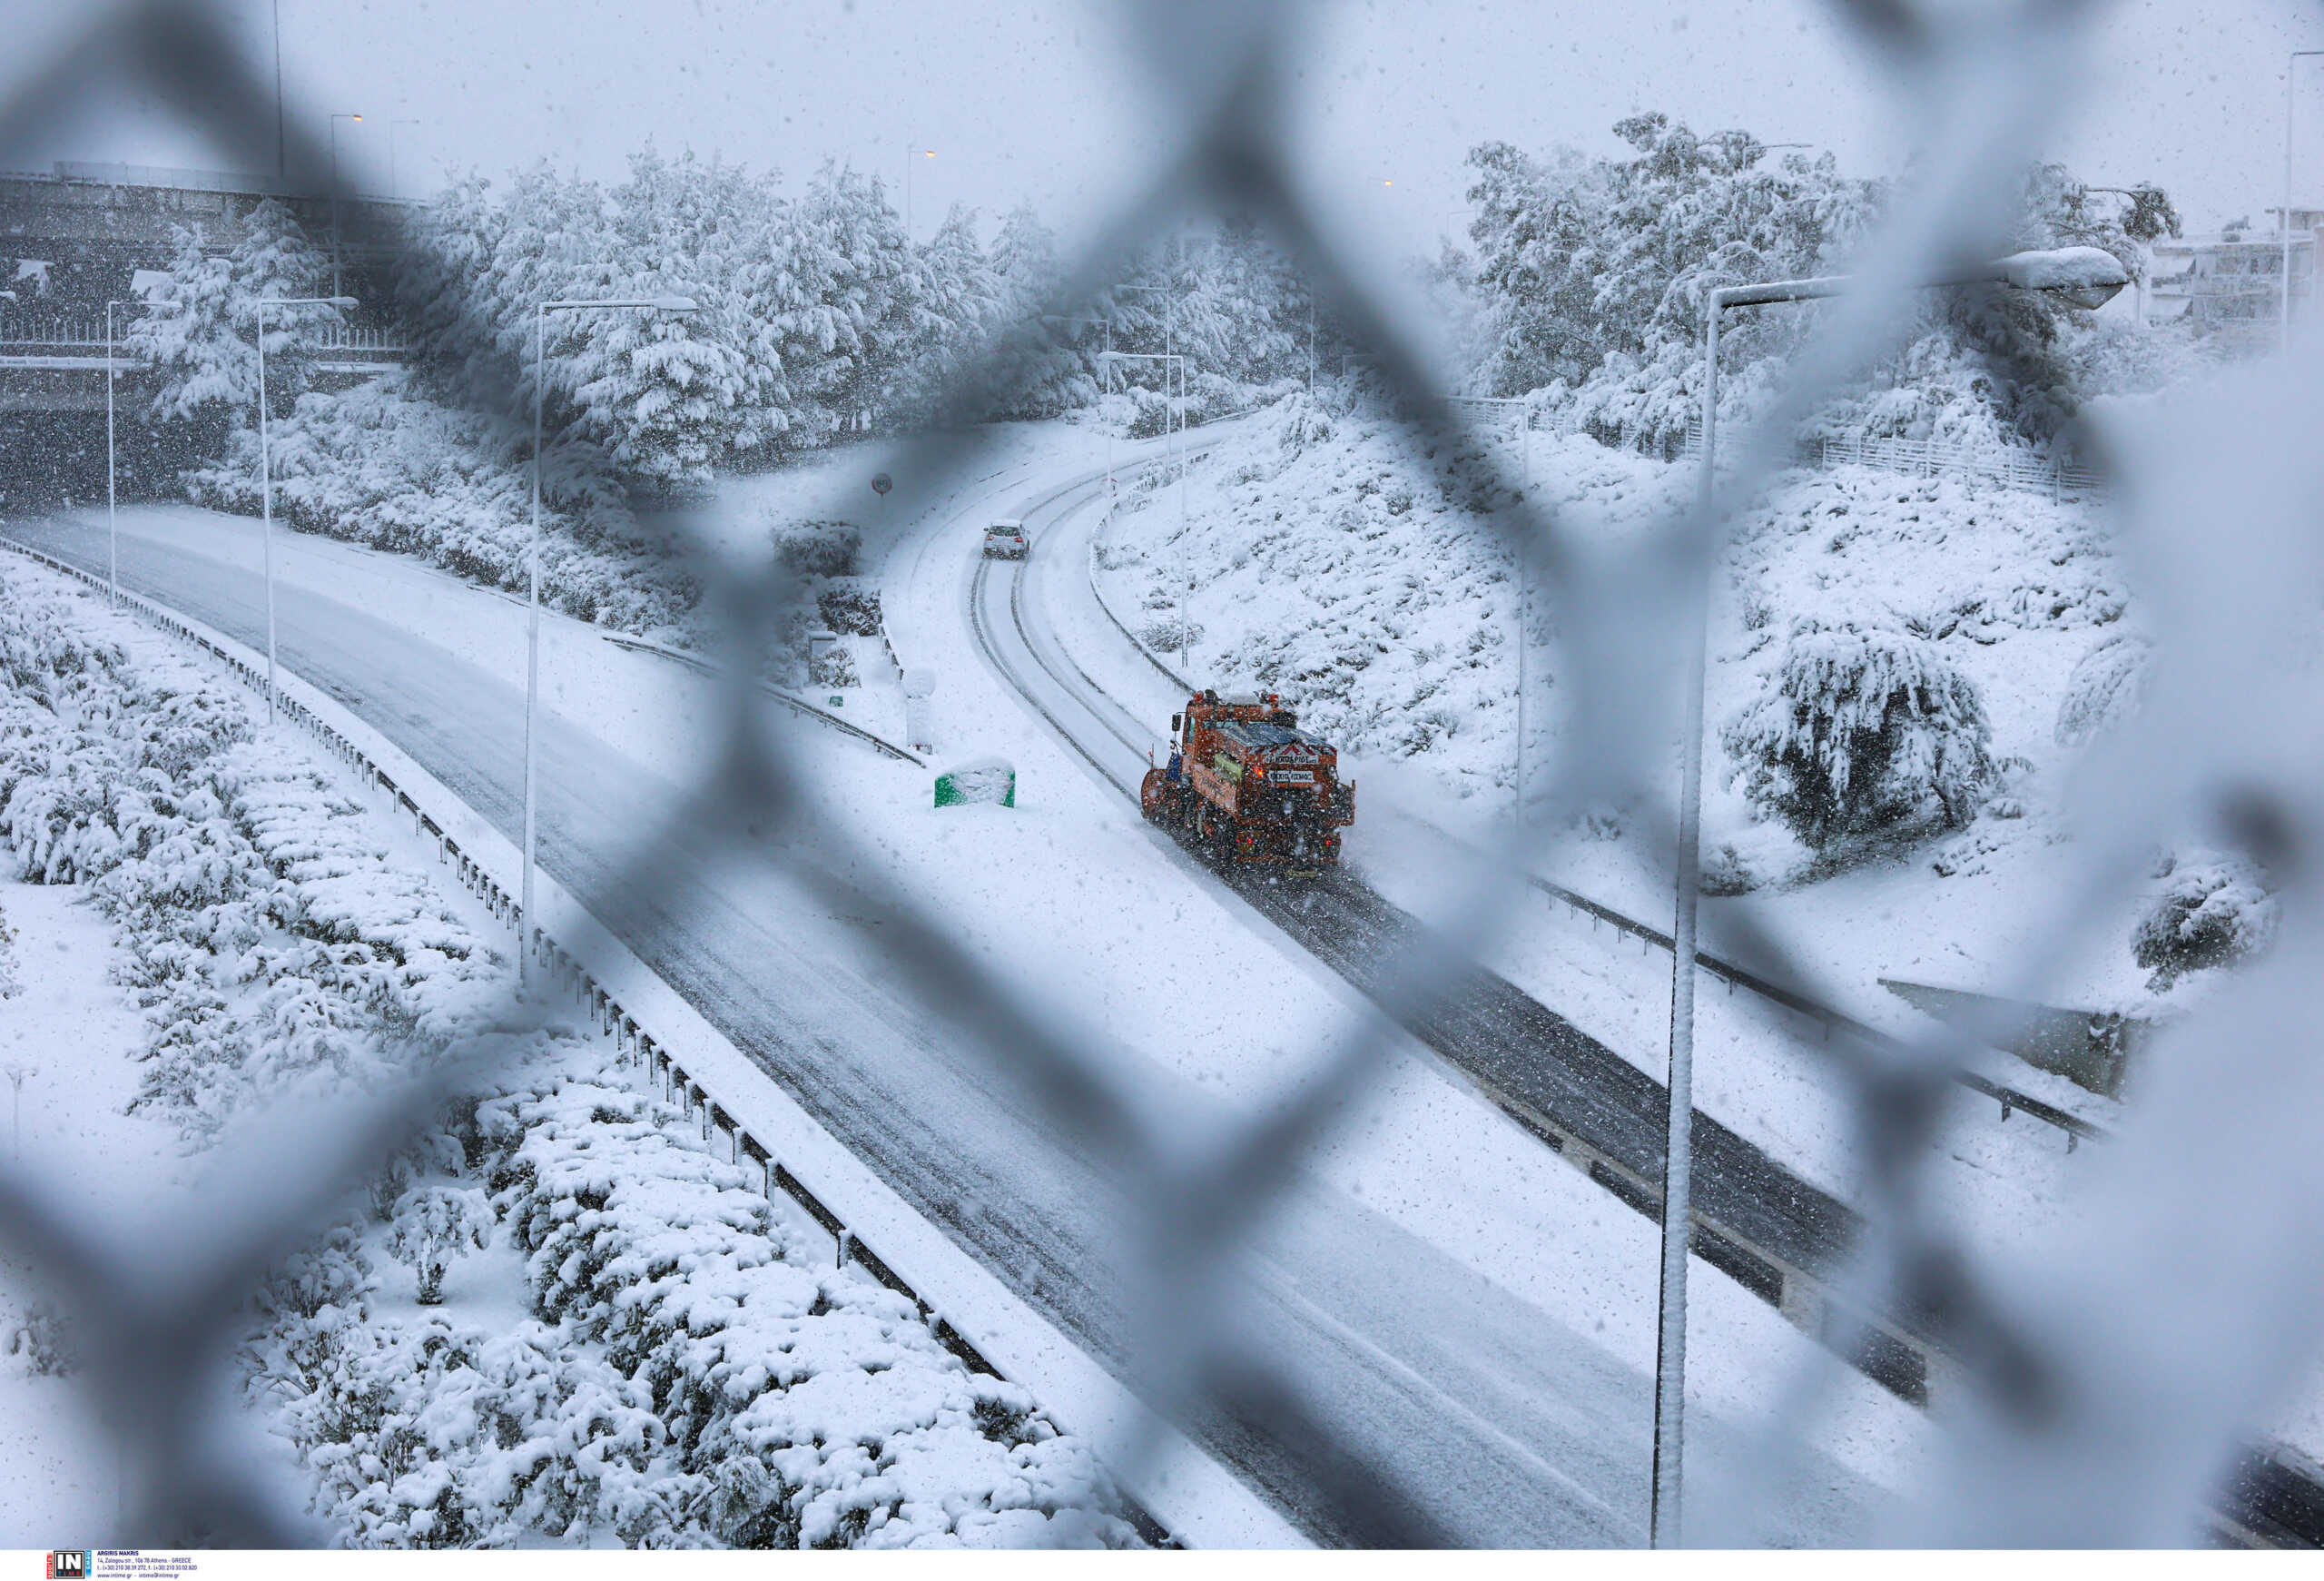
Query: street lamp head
340	301
2088	277
676	304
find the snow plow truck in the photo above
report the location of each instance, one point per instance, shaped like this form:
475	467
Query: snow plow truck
1247	786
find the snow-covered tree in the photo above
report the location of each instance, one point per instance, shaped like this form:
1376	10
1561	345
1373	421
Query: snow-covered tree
1863	729
12	983
851	332
670	395
2107	685
1595	272
957	306
200	333
1050	366
2213	908
432	1226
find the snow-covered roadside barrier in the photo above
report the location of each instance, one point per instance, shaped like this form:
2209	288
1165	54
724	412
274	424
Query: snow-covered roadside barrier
285	949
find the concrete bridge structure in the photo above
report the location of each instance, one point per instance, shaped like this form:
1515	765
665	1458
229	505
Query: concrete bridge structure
78	239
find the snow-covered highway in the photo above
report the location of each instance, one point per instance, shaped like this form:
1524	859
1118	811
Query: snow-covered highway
1497	1401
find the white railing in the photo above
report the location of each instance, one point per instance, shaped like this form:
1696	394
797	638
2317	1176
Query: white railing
2011	469
88	329
1927	459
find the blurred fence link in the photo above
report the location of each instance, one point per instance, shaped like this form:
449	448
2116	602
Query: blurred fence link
2104	1387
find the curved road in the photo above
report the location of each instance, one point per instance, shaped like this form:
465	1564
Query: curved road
1432	1404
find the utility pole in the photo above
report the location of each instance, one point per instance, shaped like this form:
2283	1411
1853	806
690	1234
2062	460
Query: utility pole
281	165
337	288
913	151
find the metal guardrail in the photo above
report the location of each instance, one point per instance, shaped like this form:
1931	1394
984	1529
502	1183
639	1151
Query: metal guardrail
796	705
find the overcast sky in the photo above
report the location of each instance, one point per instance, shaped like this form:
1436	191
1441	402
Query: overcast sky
1040	99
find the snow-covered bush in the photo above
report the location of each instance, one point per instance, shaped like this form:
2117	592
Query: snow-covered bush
432	1225
807	1407
1169	633
816	549
1862	728
274	947
834	666
2106	688
11	984
2212	908
851	606
382	466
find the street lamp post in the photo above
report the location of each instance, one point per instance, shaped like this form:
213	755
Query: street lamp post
112	541
266	465
1169	326
2291	68
1167	360
2088	277
336	286
667	304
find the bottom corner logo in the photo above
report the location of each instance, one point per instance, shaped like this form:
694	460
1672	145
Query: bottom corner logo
68	1565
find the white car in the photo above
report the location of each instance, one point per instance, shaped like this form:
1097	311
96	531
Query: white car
1006	540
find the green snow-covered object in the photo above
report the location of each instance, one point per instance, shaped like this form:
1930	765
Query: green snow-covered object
988	779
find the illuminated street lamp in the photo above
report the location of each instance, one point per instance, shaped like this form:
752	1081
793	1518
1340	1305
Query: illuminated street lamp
2087	277
665	304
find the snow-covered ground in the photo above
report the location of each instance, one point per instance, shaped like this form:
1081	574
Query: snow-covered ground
879	1434
1161	967
75	1036
1332	563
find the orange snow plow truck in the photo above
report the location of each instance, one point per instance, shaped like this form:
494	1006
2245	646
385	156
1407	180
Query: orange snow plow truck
1250	786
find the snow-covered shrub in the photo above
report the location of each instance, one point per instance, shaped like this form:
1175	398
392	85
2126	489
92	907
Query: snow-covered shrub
834	666
1862	728
11	984
807	1407
41	1341
816	549
1724	873
272	944
852	607
2106	688
431	1226
1171	633
435	1434
382	466
2212	909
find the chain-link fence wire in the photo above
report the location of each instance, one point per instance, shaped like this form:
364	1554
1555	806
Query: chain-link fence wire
2102	1390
